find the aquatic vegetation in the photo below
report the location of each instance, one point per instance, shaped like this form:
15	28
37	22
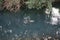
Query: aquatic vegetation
1	1
12	5
15	5
39	4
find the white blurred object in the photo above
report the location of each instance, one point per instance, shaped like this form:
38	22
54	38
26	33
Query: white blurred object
45	38
31	21
47	11
10	31
55	18
28	20
25	21
49	37
54	21
55	12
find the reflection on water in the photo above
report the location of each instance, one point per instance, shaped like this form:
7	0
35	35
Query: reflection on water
26	24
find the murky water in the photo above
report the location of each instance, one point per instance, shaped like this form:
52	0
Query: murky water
25	22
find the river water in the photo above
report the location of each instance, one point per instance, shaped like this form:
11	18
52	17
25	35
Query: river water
25	22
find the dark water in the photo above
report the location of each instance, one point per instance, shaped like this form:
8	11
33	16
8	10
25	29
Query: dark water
12	24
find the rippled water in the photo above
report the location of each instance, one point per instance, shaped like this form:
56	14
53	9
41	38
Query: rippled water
25	22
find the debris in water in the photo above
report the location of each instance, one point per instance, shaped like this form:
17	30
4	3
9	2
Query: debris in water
10	31
6	31
47	11
28	20
31	21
